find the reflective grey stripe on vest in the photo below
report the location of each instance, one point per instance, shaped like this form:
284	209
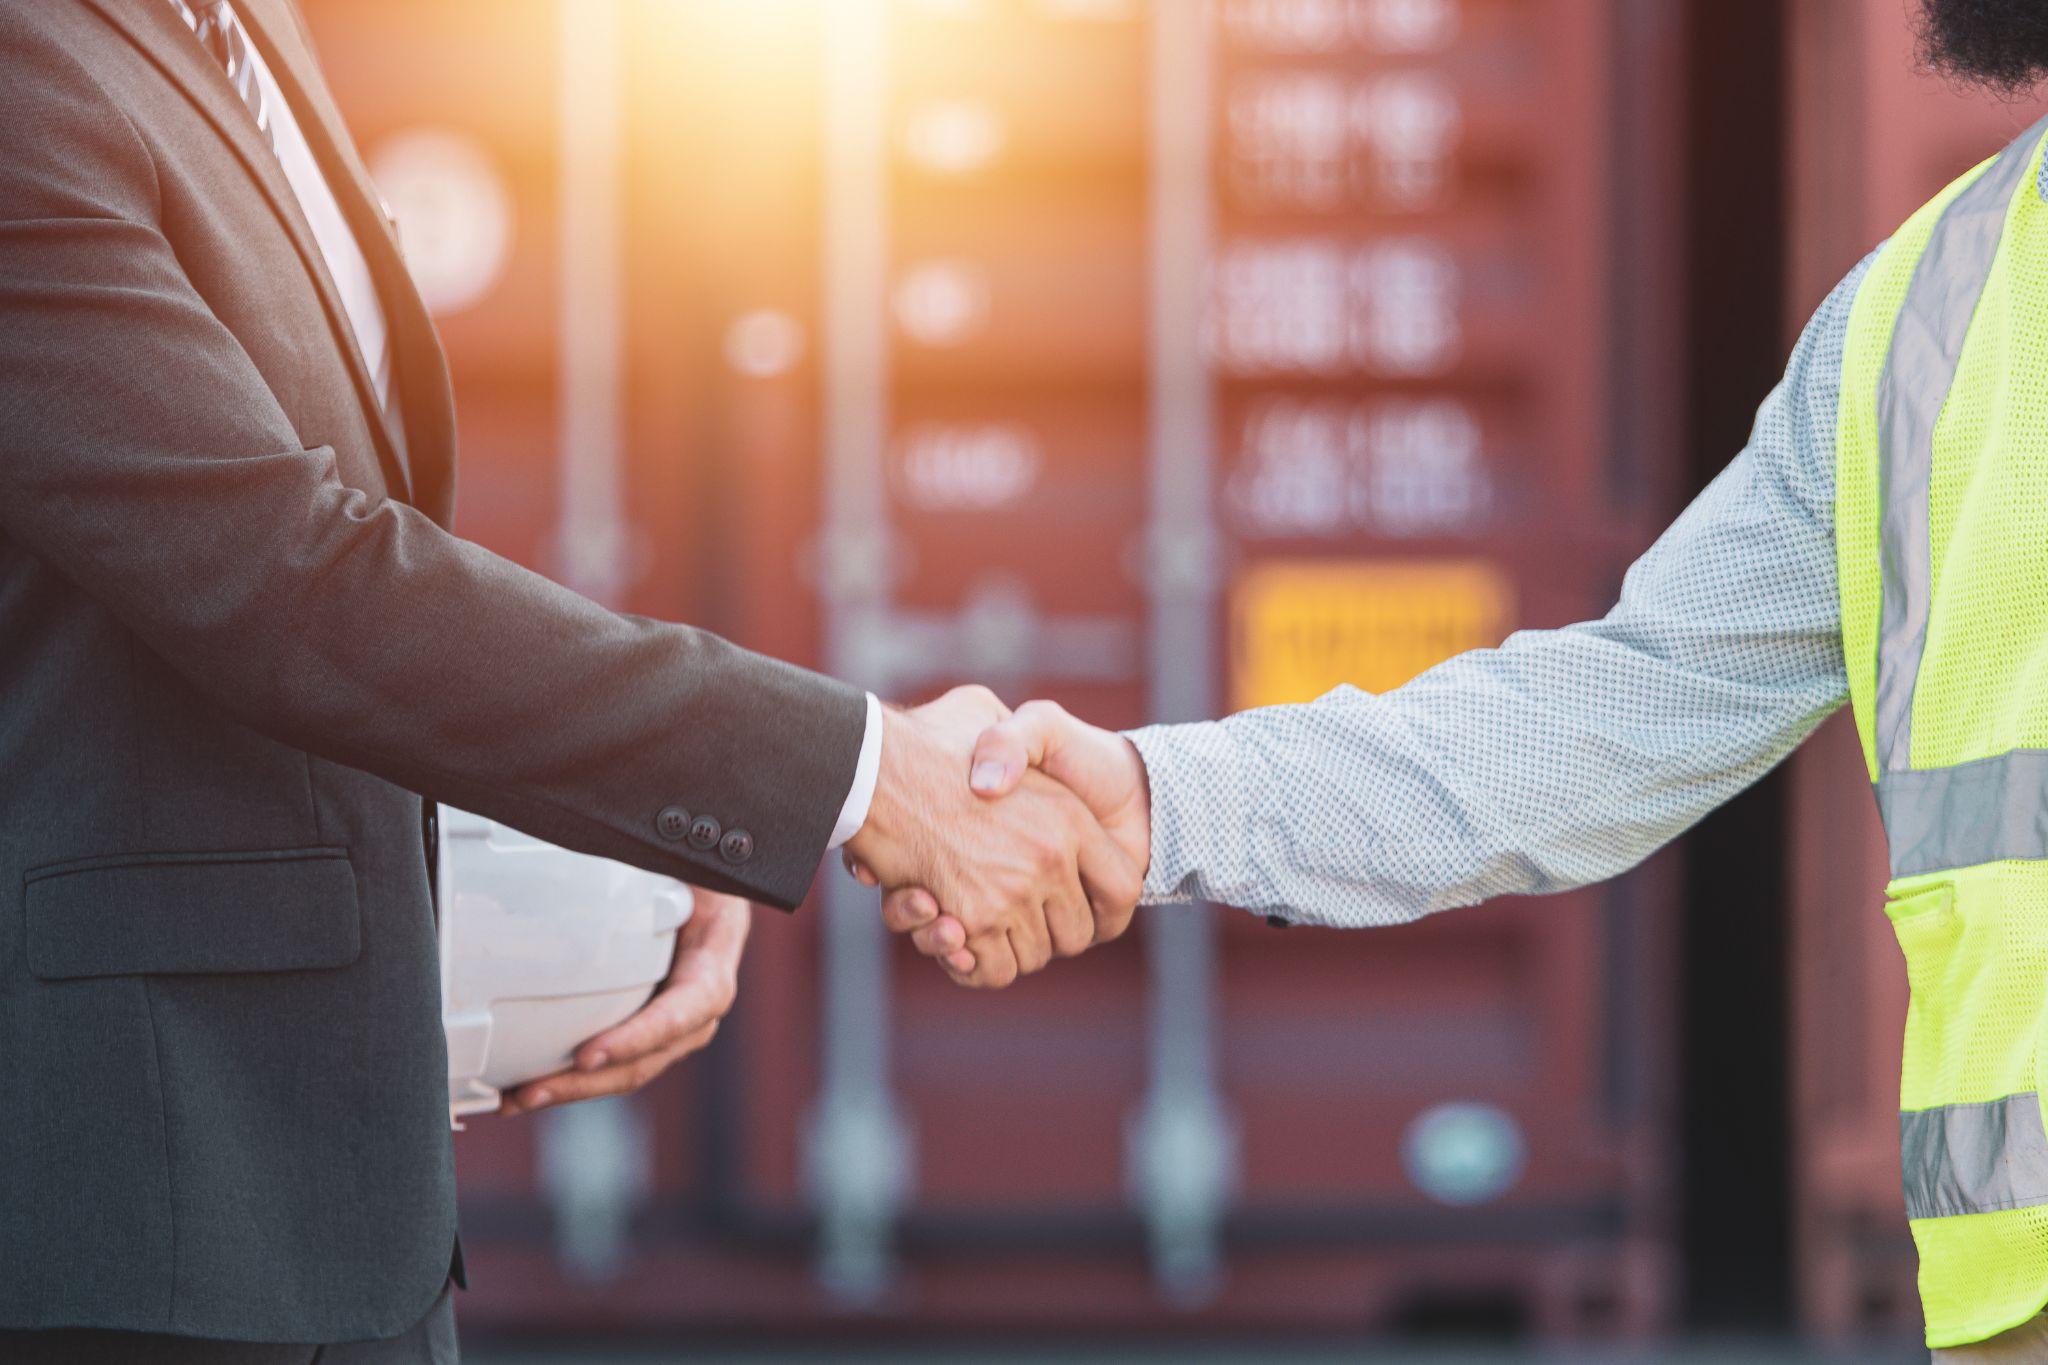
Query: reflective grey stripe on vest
1926	346
1973	813
1974	1158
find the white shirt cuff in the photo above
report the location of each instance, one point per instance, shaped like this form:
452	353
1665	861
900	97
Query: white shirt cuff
854	813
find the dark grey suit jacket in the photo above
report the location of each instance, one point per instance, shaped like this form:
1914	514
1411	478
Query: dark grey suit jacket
236	638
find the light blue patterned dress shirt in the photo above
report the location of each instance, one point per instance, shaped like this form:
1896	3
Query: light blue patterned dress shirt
1564	756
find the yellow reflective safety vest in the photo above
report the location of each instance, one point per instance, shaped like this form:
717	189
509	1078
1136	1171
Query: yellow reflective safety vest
1941	526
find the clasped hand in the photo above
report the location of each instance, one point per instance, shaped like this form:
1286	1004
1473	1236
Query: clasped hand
1003	840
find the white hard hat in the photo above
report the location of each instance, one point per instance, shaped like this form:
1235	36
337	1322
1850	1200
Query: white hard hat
541	949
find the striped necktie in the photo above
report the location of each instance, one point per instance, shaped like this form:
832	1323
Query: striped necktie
220	33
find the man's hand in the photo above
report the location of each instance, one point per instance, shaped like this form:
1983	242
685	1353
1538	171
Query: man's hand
1100	767
681	1018
1021	879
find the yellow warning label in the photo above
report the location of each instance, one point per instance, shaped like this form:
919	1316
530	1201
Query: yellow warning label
1300	628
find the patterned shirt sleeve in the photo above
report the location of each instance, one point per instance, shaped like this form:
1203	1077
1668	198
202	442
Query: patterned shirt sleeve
1562	757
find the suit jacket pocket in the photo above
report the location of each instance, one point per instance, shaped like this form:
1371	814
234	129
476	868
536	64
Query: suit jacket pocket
274	910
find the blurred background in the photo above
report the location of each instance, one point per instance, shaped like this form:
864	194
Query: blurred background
1168	358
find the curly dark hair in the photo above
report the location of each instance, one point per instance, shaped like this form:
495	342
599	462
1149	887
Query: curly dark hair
2002	44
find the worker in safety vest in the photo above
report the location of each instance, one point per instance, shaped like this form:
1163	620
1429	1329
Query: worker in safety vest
1884	538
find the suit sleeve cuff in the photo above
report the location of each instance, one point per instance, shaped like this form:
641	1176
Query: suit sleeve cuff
866	769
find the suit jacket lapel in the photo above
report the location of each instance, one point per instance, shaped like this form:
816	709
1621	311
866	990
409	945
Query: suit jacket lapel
428	408
155	28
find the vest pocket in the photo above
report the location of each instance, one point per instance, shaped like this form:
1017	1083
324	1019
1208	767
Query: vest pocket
1930	933
1923	914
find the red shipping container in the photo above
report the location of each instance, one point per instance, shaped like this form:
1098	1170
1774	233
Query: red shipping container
1506	432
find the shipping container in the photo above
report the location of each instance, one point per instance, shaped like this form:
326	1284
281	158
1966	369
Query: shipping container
1162	358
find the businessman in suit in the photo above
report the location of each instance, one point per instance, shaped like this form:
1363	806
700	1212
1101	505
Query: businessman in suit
238	645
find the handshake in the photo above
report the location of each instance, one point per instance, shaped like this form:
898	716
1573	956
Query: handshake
1003	839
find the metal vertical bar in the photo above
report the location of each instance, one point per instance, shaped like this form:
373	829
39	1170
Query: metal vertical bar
594	1156
595	1165
591	538
859	1144
1183	1146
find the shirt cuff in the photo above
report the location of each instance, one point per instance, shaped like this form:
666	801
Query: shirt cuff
861	795
1198	811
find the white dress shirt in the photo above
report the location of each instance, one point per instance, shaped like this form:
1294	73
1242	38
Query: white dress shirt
351	272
